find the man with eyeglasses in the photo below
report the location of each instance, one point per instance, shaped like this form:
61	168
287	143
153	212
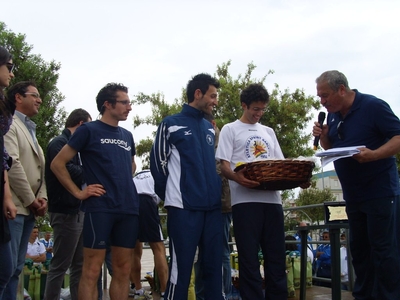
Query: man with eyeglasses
110	200
26	176
257	214
369	181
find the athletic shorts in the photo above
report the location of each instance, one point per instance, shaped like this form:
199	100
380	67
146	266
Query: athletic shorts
149	220
106	229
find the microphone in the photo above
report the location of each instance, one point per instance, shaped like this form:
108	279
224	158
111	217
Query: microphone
321	119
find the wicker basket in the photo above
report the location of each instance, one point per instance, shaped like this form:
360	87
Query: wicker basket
278	174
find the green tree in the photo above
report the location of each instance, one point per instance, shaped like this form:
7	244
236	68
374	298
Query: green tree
51	117
312	196
159	109
288	113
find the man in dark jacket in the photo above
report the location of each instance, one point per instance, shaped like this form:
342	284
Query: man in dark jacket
65	217
182	163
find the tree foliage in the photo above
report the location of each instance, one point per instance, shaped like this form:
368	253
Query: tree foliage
288	112
312	196
51	117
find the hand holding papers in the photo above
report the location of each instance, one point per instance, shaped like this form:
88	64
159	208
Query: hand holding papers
333	154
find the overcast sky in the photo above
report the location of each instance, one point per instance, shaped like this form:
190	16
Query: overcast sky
153	46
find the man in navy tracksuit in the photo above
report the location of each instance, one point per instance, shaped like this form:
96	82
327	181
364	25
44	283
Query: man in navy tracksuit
182	163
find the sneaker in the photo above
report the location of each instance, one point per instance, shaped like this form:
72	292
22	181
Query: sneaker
132	292
142	295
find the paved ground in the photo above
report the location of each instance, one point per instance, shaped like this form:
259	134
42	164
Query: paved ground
312	293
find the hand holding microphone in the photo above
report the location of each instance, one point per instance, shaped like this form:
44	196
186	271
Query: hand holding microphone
321	119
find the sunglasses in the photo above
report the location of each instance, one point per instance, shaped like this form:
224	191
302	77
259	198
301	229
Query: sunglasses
340	130
10	67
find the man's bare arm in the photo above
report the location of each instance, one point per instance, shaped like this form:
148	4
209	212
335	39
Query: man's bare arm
58	166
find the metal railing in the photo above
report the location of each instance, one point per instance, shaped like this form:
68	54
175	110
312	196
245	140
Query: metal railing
350	282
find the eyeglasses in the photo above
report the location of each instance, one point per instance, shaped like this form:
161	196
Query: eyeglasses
258	109
124	102
35	95
340	130
10	67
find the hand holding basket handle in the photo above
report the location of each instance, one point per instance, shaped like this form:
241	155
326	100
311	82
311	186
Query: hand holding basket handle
242	178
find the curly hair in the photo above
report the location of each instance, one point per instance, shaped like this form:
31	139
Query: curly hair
255	92
109	93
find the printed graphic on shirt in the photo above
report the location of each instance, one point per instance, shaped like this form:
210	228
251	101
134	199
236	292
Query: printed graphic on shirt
257	147
120	143
143	175
210	139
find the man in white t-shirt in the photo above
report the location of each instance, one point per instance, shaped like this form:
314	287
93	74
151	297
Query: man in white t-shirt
36	250
257	214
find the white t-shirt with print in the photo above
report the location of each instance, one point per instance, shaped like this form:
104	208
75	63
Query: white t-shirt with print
241	142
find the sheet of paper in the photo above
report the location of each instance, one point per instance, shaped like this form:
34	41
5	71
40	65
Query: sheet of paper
333	154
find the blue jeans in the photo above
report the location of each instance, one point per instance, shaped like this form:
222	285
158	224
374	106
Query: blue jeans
226	255
20	229
5	266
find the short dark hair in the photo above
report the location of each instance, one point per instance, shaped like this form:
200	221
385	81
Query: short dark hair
200	82
334	79
76	116
109	93
255	92
19	88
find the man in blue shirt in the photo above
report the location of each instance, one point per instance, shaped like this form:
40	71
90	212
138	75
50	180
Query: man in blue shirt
323	259
369	181
47	241
110	200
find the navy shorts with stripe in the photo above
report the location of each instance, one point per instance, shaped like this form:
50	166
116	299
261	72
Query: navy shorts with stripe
106	229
